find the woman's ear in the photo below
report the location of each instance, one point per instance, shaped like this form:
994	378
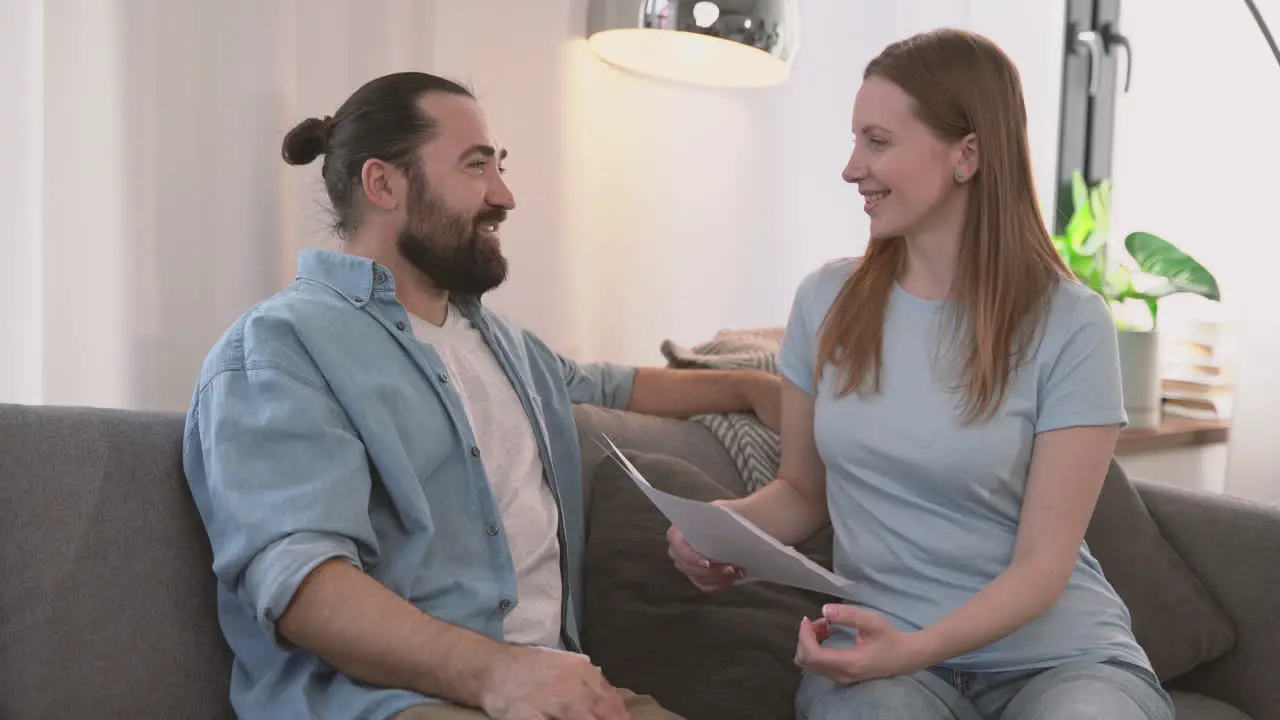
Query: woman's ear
969	161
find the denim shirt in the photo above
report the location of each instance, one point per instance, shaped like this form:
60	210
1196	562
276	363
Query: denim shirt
321	428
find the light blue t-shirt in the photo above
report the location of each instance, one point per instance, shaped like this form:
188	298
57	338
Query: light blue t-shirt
925	509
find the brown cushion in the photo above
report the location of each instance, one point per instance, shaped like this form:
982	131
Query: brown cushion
721	655
1175	619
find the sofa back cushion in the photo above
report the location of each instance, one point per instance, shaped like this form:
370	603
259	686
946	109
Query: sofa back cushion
107	608
1176	620
728	654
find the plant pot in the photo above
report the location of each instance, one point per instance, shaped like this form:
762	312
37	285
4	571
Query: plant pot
1140	376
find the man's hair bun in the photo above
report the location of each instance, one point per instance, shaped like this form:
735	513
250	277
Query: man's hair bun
307	140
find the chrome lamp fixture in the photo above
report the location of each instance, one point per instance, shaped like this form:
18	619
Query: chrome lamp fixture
722	43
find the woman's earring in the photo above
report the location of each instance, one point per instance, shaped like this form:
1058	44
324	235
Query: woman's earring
960	176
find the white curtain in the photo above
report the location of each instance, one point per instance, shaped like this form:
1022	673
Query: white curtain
151	201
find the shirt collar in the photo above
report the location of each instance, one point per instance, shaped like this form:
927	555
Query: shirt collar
354	277
357	278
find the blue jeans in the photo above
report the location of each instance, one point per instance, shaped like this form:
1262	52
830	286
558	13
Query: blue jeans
1107	691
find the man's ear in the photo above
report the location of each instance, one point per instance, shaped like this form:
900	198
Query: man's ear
383	184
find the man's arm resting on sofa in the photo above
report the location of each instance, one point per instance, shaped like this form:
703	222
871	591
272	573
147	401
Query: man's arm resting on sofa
672	392
680	393
369	633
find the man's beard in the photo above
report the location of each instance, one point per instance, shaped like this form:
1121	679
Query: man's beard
449	249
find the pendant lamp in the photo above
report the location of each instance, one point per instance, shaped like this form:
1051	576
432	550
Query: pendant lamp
721	43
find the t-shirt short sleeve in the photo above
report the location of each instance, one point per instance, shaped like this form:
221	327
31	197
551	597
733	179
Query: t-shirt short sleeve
798	355
1083	383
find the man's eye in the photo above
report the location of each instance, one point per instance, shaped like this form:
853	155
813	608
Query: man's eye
479	164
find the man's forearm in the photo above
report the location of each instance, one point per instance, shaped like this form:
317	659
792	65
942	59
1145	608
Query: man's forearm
368	632
680	393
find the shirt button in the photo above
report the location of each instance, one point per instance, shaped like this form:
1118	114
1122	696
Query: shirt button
493	530
358	299
380	277
444	377
475	451
399	325
505	605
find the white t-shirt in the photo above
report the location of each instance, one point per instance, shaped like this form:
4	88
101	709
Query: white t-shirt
525	502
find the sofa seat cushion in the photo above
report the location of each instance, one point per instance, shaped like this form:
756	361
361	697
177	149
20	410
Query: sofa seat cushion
723	655
1190	706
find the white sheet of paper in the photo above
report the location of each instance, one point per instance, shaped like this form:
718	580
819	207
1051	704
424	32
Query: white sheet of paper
724	536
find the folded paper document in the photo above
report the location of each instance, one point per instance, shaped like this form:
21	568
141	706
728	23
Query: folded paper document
724	536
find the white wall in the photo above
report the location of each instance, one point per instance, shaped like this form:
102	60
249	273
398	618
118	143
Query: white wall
695	210
21	317
1196	158
646	210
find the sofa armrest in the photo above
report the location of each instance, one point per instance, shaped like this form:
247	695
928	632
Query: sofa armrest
1233	546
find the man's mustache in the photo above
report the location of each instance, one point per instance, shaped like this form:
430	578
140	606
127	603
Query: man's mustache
492	215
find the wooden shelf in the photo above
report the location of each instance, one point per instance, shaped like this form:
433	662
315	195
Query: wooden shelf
1172	432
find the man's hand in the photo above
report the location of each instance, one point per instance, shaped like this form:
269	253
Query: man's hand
880	651
533	684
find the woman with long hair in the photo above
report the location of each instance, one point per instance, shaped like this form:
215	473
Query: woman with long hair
951	405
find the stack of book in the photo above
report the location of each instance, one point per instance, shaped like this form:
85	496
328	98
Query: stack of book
1196	372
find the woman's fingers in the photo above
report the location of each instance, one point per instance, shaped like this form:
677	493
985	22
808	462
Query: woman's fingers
704	573
682	551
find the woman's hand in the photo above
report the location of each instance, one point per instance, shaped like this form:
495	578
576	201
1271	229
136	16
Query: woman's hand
705	574
881	650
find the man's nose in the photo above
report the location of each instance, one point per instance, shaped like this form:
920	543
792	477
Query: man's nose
500	195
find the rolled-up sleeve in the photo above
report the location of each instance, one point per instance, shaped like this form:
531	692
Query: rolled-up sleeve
282	481
602	383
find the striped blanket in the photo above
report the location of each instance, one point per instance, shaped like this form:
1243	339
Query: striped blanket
755	448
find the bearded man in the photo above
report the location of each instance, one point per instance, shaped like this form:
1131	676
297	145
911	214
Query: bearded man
389	472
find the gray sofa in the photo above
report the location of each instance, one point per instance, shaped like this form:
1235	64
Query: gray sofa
107	603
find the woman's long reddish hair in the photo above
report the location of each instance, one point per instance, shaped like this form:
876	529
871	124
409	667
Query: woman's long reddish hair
962	83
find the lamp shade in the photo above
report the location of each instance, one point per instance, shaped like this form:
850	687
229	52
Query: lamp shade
725	43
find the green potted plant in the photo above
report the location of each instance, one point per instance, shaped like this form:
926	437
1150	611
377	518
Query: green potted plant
1161	270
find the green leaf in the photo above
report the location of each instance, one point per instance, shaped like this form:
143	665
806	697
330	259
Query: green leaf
1080	224
1100	211
1089	269
1079	228
1181	273
1119	283
1079	190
